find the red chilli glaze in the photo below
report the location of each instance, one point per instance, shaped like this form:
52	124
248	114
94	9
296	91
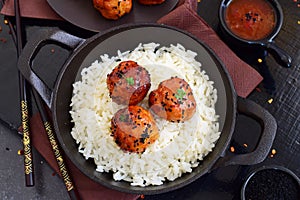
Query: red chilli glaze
250	19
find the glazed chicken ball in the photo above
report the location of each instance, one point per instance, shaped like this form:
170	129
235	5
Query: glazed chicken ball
134	129
173	100
113	9
128	83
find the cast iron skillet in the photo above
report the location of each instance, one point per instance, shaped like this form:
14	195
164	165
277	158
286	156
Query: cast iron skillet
280	55
83	52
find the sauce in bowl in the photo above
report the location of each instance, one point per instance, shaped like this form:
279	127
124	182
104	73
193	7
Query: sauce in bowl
250	19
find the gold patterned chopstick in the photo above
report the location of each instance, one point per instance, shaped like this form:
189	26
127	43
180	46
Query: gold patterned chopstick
28	162
55	148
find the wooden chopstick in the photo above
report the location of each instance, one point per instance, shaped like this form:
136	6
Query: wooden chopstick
47	125
28	159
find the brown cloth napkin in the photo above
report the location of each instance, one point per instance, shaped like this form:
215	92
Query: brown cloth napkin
31	8
185	17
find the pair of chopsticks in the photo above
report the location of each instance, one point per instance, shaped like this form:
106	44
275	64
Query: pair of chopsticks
17	37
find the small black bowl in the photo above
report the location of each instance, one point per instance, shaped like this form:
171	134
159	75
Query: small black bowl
271	183
266	43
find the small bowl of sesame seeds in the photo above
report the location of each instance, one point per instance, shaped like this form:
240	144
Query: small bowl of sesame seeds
271	183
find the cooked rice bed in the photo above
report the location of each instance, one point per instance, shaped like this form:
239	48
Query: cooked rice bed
179	147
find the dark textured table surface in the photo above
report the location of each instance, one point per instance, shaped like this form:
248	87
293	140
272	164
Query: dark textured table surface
278	93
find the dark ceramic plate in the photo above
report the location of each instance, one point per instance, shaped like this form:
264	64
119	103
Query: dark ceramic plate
82	13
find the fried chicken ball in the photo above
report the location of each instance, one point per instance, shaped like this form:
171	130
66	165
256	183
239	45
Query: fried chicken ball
134	129
173	100
128	83
113	9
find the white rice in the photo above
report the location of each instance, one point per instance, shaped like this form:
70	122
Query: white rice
180	146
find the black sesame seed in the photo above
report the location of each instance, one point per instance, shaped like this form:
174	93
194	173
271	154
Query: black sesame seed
142	140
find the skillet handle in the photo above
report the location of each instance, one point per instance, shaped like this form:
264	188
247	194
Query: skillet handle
282	57
31	49
269	127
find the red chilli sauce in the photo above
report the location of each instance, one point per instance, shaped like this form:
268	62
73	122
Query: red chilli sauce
250	19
